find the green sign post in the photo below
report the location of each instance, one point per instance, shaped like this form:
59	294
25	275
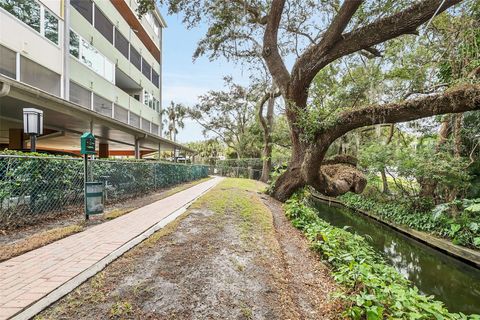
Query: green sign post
93	192
87	143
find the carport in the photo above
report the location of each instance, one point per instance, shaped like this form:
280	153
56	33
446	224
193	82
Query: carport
65	121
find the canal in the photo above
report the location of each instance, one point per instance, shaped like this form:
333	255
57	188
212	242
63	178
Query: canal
451	281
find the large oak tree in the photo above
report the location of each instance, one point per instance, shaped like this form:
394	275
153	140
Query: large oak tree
317	33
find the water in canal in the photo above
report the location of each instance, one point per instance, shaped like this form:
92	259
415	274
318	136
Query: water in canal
434	273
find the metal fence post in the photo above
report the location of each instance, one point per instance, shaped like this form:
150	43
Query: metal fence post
85	172
33	186
155	176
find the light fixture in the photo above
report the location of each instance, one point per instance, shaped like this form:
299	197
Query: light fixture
33	125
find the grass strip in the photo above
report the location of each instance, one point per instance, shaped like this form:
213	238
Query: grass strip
37	240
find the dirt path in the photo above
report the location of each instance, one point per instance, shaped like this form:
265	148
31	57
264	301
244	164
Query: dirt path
309	279
229	257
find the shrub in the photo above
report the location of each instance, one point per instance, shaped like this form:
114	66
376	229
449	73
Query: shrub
33	185
462	228
374	289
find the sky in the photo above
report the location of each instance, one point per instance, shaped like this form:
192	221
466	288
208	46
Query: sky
183	79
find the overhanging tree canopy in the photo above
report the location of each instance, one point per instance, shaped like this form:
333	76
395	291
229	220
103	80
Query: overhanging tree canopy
316	34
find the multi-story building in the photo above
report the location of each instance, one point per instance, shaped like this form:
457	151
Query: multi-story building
90	65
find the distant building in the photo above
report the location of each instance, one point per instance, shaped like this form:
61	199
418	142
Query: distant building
89	65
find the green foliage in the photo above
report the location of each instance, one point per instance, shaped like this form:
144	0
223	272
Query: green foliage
145	6
409	160
277	171
32	184
208	150
374	289
230	115
174	115
255	163
461	58
461	228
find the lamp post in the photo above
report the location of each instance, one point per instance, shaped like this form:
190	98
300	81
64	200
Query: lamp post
33	125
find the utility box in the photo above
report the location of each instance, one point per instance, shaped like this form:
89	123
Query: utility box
94	198
87	143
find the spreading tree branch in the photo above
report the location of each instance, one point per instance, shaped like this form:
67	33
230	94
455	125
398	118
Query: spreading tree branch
261	104
270	53
255	12
332	35
461	99
334	32
364	38
457	100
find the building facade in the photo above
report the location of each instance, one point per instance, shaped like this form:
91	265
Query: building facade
94	65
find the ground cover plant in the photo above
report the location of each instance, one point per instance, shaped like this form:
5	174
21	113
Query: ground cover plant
374	290
463	228
37	240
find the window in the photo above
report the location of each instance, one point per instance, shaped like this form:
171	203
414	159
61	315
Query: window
102	105
145	125
109	71
30	12
154	129
146	69
80	95
153	23
27	11
150	101
74	44
135	58
155	79
121	43
156	28
149	17
8	62
146	98
50	24
84	7
89	56
134	120
103	25
120	114
156	105
38	76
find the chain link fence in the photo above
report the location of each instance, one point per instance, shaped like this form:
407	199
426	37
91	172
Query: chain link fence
236	172
32	188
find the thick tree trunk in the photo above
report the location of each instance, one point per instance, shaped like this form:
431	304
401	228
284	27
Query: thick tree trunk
289	182
307	167
267	163
307	163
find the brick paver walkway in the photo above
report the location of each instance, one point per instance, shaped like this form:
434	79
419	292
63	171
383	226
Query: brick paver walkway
32	276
